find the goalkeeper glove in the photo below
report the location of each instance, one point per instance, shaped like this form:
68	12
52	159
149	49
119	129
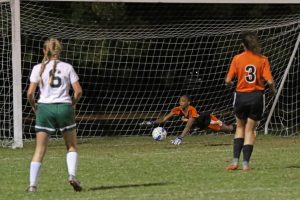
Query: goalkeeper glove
147	123
177	140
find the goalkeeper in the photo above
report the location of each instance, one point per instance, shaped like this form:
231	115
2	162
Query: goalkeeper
192	118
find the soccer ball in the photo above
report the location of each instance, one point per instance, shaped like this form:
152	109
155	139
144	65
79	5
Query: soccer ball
159	133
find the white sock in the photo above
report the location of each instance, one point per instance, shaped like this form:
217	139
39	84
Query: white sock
72	158
34	172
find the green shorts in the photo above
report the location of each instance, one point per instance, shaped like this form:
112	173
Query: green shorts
53	117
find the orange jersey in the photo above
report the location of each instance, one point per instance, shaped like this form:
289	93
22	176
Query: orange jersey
251	71
191	112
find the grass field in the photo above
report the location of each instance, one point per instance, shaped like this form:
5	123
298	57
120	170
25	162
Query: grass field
140	168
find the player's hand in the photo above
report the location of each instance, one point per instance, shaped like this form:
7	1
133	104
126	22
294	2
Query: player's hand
229	83
34	108
273	92
177	141
146	123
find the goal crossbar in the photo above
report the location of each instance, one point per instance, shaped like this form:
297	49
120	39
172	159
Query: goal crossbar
188	1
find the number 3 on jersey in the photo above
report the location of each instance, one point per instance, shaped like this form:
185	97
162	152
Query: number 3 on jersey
251	73
56	81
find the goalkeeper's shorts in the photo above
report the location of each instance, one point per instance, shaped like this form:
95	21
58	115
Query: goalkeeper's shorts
54	117
204	119
249	105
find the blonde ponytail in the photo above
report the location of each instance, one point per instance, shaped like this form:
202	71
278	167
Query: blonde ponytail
51	77
52	49
43	65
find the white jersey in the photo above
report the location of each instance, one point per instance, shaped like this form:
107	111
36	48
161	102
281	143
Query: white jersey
58	92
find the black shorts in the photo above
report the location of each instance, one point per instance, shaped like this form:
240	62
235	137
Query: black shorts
249	105
202	121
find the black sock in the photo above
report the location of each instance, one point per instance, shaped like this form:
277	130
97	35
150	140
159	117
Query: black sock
247	151
237	147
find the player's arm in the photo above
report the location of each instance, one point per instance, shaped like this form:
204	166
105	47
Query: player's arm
231	74
157	121
228	81
30	95
272	86
268	76
187	128
164	118
77	93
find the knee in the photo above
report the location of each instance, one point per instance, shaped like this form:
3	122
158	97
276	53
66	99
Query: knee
240	129
240	126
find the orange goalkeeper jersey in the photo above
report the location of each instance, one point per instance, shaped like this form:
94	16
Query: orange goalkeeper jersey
251	71
191	112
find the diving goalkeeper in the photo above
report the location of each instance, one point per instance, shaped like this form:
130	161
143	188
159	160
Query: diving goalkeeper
192	118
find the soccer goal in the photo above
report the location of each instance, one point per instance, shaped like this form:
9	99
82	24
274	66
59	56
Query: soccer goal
136	68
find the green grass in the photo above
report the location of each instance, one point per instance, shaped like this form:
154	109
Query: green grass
140	168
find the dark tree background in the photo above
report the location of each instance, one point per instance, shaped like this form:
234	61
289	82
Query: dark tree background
160	13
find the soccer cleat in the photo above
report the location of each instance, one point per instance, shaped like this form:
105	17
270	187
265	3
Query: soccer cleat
75	184
232	167
246	168
31	189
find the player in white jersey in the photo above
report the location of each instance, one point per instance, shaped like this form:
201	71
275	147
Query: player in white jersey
54	109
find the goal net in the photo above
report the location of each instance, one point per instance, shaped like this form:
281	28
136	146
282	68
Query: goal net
285	119
136	70
6	114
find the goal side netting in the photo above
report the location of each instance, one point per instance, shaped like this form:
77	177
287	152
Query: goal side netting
6	76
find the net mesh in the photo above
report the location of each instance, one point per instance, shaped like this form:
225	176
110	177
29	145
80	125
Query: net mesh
131	72
6	113
285	119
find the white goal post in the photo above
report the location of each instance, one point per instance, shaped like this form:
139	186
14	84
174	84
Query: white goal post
13	137
137	69
17	75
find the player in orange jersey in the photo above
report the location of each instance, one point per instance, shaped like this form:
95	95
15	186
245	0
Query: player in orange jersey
192	118
251	70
